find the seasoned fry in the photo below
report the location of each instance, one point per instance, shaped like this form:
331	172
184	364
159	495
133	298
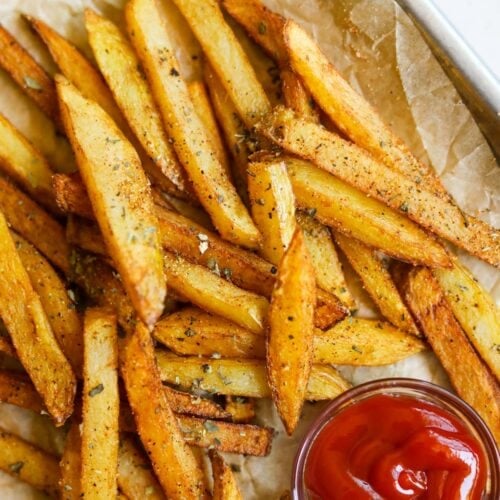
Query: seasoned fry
469	376
377	282
273	207
71	464
236	377
347	209
225	485
28	463
29	75
122	203
56	302
191	142
172	460
101	405
22	313
475	311
17	389
188	404
241	409
233	69
135	477
27	218
356	167
215	294
289	352
71	195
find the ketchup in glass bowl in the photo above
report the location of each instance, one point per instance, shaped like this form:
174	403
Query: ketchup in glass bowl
397	439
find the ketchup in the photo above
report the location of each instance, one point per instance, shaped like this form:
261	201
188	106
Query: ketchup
395	447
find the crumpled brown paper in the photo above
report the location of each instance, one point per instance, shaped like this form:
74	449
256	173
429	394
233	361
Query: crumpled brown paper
383	56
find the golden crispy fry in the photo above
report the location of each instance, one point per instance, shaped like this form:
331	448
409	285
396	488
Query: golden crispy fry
356	167
377	282
475	311
57	304
191	142
235	377
241	409
227	437
172	460
216	295
29	75
273	207
469	376
120	196
71	464
225	485
71	195
21	161
27	218
297	97
347	209
23	315
135	477
327	267
86	235
188	404
120	68
28	463
289	352
101	405
17	389
234	69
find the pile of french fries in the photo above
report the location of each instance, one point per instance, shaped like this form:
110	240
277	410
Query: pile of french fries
191	265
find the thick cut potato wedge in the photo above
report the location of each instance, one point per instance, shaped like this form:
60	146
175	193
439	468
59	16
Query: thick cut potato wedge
216	295
273	207
70	486
27	218
235	377
225	485
23	315
289	352
356	167
28	463
101	405
327	267
377	282
173	461
240	408
121	199
348	210
71	195
17	389
56	302
234	69
475	311
29	75
184	403
135	477
191	142
21	161
469	376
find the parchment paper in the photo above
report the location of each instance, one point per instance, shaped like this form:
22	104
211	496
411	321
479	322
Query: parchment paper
383	56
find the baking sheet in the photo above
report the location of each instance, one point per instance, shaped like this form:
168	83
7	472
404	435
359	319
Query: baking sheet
383	56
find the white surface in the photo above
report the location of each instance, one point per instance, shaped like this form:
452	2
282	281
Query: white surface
478	22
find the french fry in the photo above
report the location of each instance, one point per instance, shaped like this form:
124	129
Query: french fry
348	210
191	142
356	167
56	302
296	97
235	377
135	477
71	464
17	389
289	352
173	462
29	75
377	282
469	376
27	218
241	409
101	405
475	311
189	404
71	196
120	196
31	334
234	69
225	485
28	463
